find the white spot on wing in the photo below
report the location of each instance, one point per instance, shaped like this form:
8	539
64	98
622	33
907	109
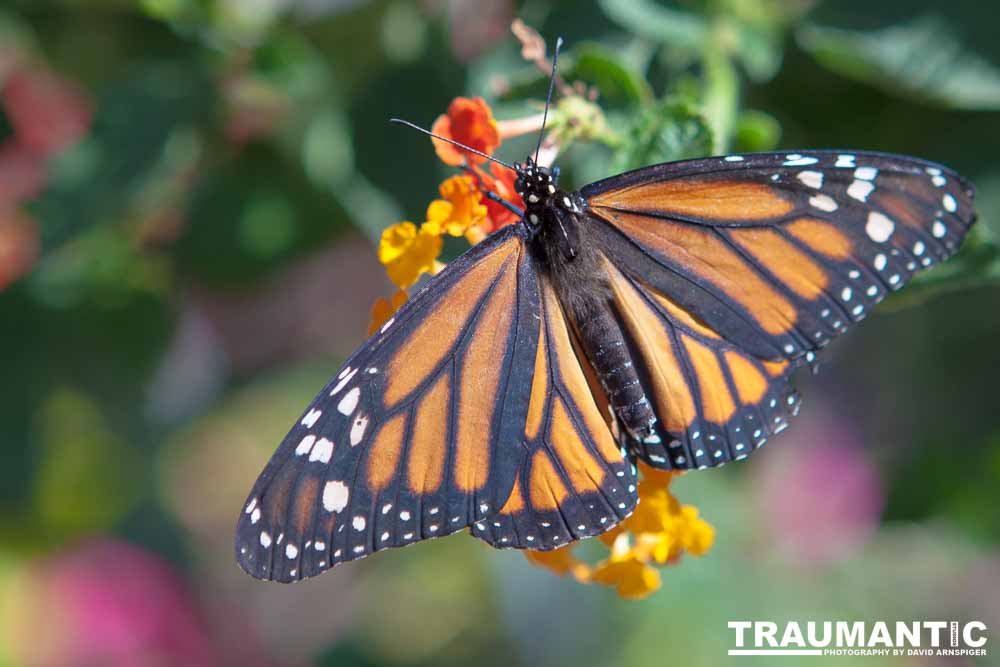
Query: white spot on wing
812	179
866	173
335	495
734	158
358	430
255	515
322	451
796	160
305	445
823	203
349	401
311	417
860	190
879	228
358	522
291	551
388	323
265	539
880	262
844	161
949	203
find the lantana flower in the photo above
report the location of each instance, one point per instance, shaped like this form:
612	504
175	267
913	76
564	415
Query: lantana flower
469	121
459	209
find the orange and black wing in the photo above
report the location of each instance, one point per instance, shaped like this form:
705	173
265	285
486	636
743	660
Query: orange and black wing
575	481
419	435
764	258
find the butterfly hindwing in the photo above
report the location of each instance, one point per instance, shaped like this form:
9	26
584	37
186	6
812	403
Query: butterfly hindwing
419	434
575	482
714	401
779	253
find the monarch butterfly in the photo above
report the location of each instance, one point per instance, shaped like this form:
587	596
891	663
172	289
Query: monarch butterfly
655	315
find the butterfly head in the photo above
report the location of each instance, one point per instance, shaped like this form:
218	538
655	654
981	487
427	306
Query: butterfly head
535	184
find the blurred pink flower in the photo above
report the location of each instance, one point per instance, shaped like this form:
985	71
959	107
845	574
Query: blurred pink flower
109	603
818	493
22	174
48	113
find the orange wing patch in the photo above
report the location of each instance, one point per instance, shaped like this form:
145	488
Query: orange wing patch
480	380
716	401
437	334
705	255
429	446
786	262
547	490
383	458
704	199
821	237
751	385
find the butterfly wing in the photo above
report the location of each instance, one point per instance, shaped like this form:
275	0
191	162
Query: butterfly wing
771	256
576	482
419	434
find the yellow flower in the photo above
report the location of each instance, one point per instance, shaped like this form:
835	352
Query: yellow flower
408	252
460	208
626	571
383	309
561	561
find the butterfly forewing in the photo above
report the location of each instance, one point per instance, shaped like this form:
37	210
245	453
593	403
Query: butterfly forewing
418	435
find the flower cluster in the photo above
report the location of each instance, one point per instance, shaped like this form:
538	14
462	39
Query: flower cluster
661	529
407	250
659	532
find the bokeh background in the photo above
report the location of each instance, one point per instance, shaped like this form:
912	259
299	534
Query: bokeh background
190	196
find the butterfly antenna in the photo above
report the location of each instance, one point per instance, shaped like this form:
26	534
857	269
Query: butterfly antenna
407	123
548	99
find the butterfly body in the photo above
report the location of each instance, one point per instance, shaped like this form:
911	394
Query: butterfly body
558	224
655	315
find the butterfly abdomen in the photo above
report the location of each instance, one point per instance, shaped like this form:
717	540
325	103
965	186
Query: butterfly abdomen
602	339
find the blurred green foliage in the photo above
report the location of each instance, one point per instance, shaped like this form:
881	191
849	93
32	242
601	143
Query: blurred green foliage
183	268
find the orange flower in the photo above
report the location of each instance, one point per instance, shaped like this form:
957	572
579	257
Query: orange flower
460	209
470	122
383	309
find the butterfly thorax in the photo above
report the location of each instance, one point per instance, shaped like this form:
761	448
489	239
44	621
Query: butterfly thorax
558	226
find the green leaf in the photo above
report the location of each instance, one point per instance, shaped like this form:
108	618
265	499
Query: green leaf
671	130
756	131
673	27
601	67
922	60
